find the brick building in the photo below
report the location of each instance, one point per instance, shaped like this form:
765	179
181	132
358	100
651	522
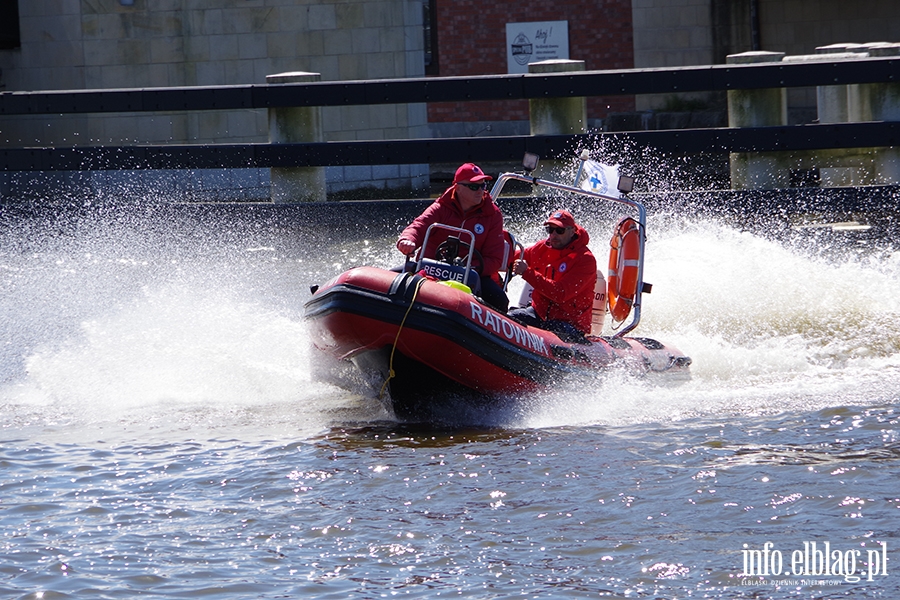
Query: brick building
82	44
599	33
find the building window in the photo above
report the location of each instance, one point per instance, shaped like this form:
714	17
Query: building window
9	25
429	27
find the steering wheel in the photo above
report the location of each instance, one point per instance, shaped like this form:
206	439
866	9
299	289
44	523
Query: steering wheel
448	251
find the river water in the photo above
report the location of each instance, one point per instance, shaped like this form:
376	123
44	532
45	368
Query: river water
161	434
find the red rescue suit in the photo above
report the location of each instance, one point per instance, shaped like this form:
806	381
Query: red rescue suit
563	281
485	221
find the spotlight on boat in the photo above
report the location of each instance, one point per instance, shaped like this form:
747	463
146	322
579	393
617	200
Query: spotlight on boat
626	184
530	162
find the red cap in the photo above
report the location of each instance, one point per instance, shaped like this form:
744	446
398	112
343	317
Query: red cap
470	172
560	218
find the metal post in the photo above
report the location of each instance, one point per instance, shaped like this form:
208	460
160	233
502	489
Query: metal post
757	108
294	125
557	116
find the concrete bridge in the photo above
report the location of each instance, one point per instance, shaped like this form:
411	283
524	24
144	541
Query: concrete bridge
852	144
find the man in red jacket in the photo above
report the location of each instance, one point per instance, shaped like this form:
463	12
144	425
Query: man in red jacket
468	205
563	273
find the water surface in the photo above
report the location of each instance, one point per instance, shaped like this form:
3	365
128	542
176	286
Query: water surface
161	433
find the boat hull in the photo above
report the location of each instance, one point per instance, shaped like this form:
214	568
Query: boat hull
415	340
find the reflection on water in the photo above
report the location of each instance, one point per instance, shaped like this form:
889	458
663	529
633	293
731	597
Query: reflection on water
645	510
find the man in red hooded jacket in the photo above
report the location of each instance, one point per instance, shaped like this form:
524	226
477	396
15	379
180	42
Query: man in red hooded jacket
563	272
468	205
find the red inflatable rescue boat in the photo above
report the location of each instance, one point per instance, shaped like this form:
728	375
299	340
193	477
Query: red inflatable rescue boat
416	338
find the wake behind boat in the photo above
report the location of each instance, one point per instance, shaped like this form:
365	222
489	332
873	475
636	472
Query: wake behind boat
417	337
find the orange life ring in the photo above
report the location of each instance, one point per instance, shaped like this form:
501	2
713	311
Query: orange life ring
624	262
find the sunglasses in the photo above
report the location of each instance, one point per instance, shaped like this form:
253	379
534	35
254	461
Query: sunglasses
475	186
556	230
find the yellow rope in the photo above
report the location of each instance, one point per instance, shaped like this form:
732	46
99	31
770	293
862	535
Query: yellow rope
397	338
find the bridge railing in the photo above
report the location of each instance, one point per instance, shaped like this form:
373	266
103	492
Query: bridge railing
448	89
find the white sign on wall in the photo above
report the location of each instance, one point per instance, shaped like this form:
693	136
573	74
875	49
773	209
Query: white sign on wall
534	42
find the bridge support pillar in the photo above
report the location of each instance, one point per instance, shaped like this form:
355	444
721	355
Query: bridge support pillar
857	103
878	102
295	125
757	108
557	116
842	103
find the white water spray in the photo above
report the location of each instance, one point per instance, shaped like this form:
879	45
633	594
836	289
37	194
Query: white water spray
174	325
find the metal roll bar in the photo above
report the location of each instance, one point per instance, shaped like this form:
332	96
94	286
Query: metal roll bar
531	162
